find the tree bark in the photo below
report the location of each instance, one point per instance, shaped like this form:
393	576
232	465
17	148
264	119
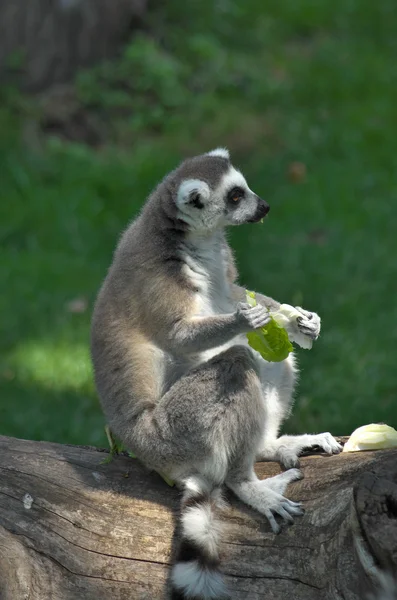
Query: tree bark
44	42
74	528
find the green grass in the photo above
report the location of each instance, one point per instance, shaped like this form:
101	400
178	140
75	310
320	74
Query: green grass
276	82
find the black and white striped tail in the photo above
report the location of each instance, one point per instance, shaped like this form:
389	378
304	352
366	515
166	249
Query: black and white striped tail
195	575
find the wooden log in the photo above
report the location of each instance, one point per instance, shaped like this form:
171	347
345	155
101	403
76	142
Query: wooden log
43	43
75	528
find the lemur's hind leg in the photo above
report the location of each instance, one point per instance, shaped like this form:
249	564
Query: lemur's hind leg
211	423
212	414
278	383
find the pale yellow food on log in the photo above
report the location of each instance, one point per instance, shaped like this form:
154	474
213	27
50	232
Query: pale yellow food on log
375	436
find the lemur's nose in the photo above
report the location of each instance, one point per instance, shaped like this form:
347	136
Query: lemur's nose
266	207
263	207
261	211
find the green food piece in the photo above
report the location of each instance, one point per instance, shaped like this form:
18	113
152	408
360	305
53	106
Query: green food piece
251	298
107	460
167	480
272	341
114	445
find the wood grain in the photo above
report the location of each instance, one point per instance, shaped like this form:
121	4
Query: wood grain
74	528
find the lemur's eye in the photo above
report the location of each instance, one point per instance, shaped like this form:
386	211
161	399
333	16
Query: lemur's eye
236	194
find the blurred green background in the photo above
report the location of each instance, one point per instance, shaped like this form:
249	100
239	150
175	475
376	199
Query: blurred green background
304	96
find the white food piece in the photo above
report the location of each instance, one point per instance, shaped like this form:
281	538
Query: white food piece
287	315
371	437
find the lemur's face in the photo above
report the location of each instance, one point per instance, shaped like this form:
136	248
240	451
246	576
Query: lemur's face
213	194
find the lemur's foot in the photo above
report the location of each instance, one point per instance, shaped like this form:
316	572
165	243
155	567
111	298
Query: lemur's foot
289	459
274	504
279	483
266	497
278	504
326	442
289	456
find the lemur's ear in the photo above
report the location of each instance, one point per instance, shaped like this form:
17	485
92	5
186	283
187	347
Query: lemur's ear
221	152
193	192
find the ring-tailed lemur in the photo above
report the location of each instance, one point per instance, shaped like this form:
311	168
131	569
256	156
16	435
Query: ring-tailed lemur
178	383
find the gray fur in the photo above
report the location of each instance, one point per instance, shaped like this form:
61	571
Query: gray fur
177	380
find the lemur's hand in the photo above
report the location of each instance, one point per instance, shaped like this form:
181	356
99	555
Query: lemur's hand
305	328
309	324
251	317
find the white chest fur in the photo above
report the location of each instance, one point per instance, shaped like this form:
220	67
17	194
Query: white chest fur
206	267
206	264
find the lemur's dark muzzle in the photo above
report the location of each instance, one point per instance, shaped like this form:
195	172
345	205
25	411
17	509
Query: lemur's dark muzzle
261	211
